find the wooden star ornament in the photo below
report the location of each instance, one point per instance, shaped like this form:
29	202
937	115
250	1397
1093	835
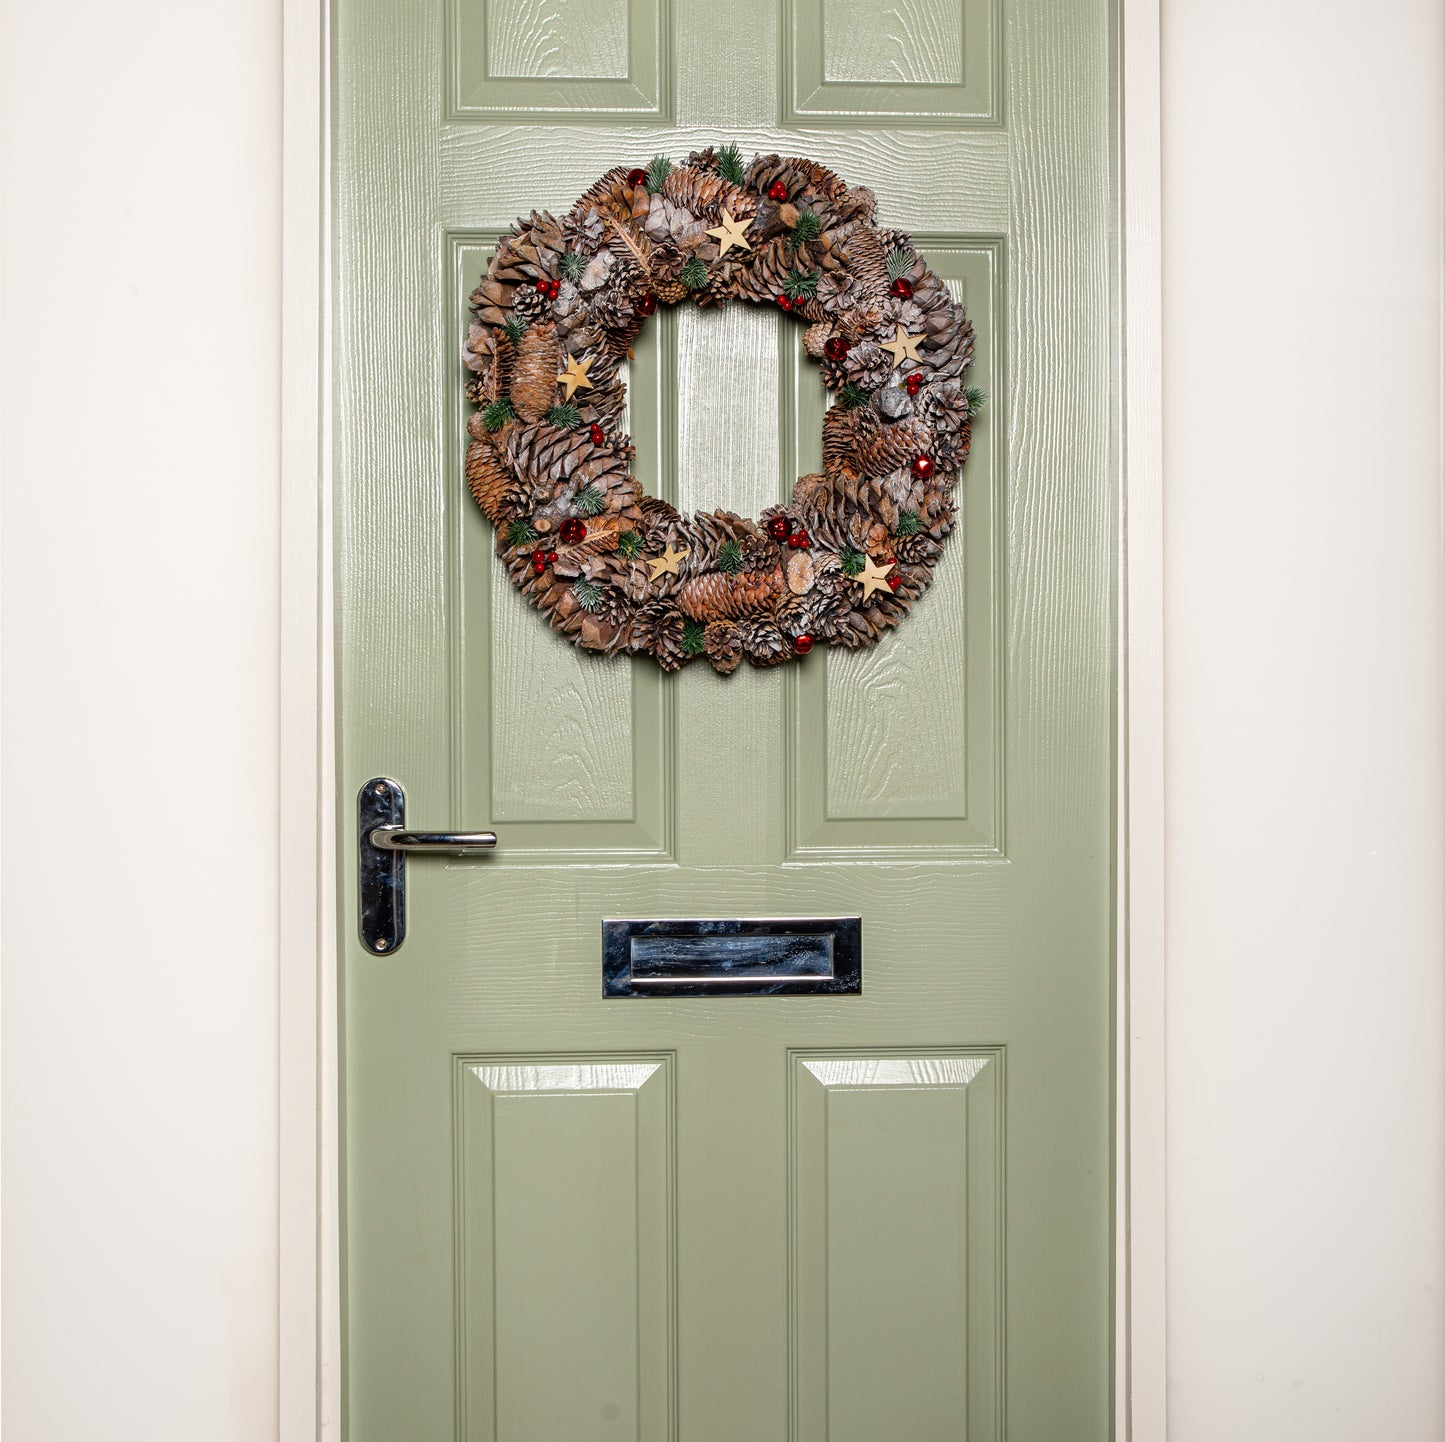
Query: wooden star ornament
575	376
903	346
873	577
730	233
667	563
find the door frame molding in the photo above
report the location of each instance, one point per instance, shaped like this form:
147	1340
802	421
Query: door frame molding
309	1306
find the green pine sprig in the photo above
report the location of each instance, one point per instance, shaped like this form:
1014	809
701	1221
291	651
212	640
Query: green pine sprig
568	417
590	501
514	328
910	523
852	560
730	557
977	398
658	169
694	634
520	533
694	273
629	545
572	265
809	227
851	396
800	284
498	413
730	164
898	262
588	594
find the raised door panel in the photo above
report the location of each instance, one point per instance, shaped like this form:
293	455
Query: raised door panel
577	60
564	1245
897	1206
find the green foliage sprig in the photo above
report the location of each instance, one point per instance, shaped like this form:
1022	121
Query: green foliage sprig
809	227
590	501
800	284
730	164
498	413
568	417
694	273
658	169
694	635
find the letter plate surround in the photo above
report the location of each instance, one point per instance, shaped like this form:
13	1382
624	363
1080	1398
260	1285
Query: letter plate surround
783	956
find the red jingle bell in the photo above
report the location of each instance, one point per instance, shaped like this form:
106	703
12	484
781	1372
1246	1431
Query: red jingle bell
598	434
913	384
636	177
902	288
923	467
777	191
572	531
783	302
800	540
647	304
780	527
835	347
802	644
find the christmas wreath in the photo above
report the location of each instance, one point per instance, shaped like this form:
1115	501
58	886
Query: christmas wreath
619	571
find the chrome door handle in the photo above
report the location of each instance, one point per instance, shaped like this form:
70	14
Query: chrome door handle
460	843
382	846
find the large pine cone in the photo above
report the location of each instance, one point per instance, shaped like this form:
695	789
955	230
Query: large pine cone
534	372
496	489
714	596
659	628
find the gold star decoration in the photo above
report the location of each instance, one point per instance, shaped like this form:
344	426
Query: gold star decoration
903	346
576	375
873	577
730	233
666	564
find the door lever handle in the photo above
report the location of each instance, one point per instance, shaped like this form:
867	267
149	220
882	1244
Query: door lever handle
382	846
459	843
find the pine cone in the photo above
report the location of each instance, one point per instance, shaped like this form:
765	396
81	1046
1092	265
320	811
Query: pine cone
534	372
893	447
868	365
496	489
715	596
658	628
763	643
723	647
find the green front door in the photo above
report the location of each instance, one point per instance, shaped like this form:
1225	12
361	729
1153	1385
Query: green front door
882	1218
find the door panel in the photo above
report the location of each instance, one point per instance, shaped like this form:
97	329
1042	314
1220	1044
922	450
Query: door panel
779	1219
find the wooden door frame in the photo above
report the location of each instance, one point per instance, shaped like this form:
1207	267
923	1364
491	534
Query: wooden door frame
309	1319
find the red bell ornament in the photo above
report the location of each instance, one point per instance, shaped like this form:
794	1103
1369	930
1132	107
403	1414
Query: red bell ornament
802	644
923	467
647	304
903	289
780	527
572	531
636	177
835	347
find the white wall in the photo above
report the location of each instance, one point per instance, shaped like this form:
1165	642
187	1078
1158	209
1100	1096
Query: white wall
141	291
1305	706
1305	718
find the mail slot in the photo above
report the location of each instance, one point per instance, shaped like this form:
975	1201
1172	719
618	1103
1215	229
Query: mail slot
787	956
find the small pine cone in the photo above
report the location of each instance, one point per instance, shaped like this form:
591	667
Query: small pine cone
529	304
795	615
762	642
584	229
658	628
669	292
893	447
868	365
919	550
723	647
657	514
495	488
534	373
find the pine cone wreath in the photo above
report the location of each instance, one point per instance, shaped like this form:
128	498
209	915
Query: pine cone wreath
617	571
